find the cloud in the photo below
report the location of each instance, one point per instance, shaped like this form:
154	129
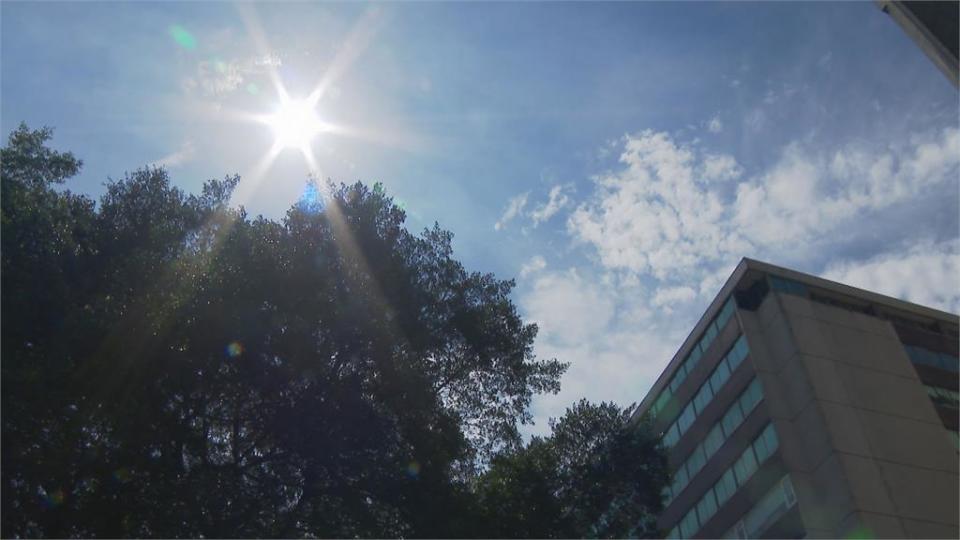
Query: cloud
715	125
666	226
183	154
663	214
928	274
534	265
216	78
558	199
514	208
604	327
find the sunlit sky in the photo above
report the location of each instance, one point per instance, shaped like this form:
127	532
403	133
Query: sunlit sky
616	159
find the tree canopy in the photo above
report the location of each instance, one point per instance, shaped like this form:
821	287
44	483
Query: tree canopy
173	367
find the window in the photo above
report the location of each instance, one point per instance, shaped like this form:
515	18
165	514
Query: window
672	435
732	419
689	524
674	533
680	480
706	507
737	353
769	508
702	398
725	487
745	466
944	396
788	286
766	444
708	336
686	418
725	313
694	357
751	396
713	441
720	375
696	461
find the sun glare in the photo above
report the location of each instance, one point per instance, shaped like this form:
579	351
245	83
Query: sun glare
295	124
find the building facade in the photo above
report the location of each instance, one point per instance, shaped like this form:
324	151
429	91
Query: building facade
799	407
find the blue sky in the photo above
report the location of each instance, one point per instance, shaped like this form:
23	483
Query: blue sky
617	159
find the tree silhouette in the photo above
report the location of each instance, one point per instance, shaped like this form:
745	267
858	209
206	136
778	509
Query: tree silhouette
172	367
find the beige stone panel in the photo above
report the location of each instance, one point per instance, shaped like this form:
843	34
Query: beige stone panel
796	305
823	496
928	529
869	525
866	485
884	392
922	494
843	426
822	374
909	442
813	337
804	440
859	348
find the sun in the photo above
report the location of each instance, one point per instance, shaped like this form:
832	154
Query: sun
295	124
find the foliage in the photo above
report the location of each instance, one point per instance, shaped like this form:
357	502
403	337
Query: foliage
596	475
172	367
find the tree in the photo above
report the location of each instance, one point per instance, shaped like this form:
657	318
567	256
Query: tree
595	475
172	367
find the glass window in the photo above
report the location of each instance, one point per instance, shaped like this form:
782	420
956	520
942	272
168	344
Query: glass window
661	401
725	313
686	418
714	441
947	362
732	419
769	437
672	435
737	353
689	524
680	480
745	466
708	336
719	376
751	396
703	397
667	495
761	448
725	487
694	357
696	461
674	533
706	507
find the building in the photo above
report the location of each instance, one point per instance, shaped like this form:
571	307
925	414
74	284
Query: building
800	407
934	27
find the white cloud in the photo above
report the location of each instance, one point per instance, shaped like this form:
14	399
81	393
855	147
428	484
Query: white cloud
534	265
603	327
215	78
668	296
558	200
661	215
715	125
174	159
670	221
926	274
514	208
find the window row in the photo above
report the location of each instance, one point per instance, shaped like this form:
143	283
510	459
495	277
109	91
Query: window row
788	286
944	396
720	432
732	479
694	356
919	355
705	394
774	504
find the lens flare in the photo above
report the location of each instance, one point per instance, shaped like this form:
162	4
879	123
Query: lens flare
413	469
295	124
183	37
234	349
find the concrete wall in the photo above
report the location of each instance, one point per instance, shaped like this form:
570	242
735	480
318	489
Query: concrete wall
865	447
